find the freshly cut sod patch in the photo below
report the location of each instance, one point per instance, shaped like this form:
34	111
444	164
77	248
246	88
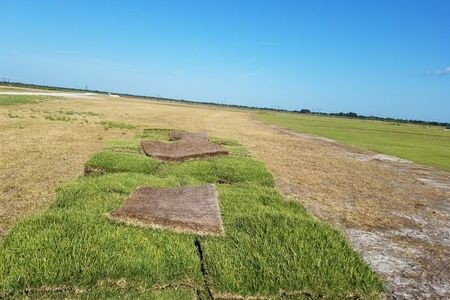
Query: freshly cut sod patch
188	145
110	161
182	150
74	244
193	209
270	247
221	170
129	146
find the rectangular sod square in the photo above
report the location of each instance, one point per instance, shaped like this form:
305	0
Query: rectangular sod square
192	209
182	150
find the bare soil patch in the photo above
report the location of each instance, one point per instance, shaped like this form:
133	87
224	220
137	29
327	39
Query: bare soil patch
193	209
194	146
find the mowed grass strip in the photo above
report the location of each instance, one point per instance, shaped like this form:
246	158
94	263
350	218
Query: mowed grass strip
110	161
270	244
220	170
120	291
129	146
427	145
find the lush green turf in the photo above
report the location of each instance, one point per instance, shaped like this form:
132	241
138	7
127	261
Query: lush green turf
111	292
270	244
428	145
110	161
129	146
220	170
73	243
20	99
274	244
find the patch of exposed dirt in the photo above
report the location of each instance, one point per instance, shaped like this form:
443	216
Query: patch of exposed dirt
189	145
193	209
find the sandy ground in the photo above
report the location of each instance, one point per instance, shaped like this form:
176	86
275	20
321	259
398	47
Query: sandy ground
396	213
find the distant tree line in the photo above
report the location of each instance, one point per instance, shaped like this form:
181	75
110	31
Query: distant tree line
352	115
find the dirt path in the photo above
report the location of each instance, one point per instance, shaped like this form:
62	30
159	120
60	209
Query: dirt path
396	213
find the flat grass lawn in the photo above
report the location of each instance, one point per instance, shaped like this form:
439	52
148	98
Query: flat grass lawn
427	145
20	99
271	246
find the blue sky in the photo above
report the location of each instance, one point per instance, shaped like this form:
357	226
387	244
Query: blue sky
386	58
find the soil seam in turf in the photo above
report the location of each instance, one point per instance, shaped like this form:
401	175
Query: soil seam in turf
198	246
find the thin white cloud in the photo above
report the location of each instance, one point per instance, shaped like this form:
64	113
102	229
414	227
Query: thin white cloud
442	72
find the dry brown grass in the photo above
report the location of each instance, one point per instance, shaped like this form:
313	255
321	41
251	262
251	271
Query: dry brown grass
360	197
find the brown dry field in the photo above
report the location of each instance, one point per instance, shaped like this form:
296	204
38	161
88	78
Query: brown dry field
395	213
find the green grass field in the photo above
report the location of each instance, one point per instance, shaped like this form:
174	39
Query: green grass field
427	145
20	99
271	246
